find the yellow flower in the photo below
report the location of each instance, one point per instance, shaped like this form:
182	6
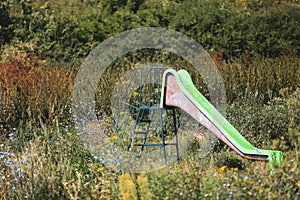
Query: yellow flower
114	137
235	169
232	186
223	168
298	184
100	169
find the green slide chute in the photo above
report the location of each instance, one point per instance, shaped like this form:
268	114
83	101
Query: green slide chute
178	86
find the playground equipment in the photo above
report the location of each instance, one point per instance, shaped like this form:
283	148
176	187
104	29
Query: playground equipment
153	109
141	122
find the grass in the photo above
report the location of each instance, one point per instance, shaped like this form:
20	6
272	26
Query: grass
61	169
41	156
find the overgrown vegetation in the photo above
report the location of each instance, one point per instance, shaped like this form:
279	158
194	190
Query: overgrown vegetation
67	30
255	45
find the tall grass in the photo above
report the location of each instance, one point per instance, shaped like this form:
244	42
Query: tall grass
42	158
56	168
59	169
33	95
259	79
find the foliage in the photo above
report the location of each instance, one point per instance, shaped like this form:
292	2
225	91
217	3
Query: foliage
51	32
207	181
261	124
5	22
33	95
127	187
66	31
46	168
143	184
235	28
259	79
254	43
40	170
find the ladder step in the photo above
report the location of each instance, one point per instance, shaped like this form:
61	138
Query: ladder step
170	144
138	145
145	120
148	145
149	108
141	144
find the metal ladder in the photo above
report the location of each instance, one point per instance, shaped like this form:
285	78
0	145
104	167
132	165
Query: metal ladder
143	113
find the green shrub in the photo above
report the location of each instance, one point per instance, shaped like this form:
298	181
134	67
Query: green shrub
67	31
261	124
263	27
5	22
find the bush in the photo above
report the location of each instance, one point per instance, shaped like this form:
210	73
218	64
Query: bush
5	22
261	124
67	32
234	28
32	95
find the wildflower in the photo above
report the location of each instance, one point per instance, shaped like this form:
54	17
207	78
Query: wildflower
10	137
223	168
232	186
100	169
298	184
115	137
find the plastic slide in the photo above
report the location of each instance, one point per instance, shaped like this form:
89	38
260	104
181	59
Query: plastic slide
179	91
